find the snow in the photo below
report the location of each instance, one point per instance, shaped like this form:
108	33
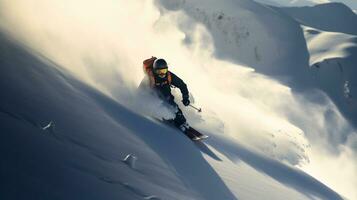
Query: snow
328	45
290	3
70	105
96	133
326	17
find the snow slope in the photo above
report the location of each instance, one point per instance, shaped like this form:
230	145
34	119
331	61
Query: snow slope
240	35
327	45
286	115
332	62
331	36
332	17
298	3
79	156
274	43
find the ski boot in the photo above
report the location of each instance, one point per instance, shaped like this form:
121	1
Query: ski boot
185	128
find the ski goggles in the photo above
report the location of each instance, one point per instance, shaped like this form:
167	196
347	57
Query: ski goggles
161	71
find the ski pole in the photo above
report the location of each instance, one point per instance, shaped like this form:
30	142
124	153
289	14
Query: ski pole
198	109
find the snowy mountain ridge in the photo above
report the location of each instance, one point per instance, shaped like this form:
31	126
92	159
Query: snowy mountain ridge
299	3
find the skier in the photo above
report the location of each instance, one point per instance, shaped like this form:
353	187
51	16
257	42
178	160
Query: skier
160	80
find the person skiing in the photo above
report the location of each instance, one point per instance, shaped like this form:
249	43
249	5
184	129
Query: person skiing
160	80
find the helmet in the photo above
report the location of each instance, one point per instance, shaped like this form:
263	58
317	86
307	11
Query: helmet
160	67
159	64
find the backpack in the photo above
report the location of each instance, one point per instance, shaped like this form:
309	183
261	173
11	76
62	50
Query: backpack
148	70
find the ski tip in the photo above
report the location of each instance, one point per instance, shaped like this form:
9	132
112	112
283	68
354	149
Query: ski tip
199	138
204	136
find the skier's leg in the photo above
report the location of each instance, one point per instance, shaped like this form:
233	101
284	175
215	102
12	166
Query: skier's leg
180	120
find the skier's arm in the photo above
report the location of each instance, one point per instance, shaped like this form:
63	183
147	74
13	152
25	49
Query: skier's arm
177	82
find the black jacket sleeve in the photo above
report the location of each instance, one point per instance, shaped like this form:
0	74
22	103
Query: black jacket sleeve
177	82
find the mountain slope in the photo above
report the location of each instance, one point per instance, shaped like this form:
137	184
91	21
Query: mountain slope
332	17
92	134
271	40
78	155
291	112
331	36
299	3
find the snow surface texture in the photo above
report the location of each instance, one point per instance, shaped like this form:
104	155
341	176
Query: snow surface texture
82	158
275	44
297	123
351	3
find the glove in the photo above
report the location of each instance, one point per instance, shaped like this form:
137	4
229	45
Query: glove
186	101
